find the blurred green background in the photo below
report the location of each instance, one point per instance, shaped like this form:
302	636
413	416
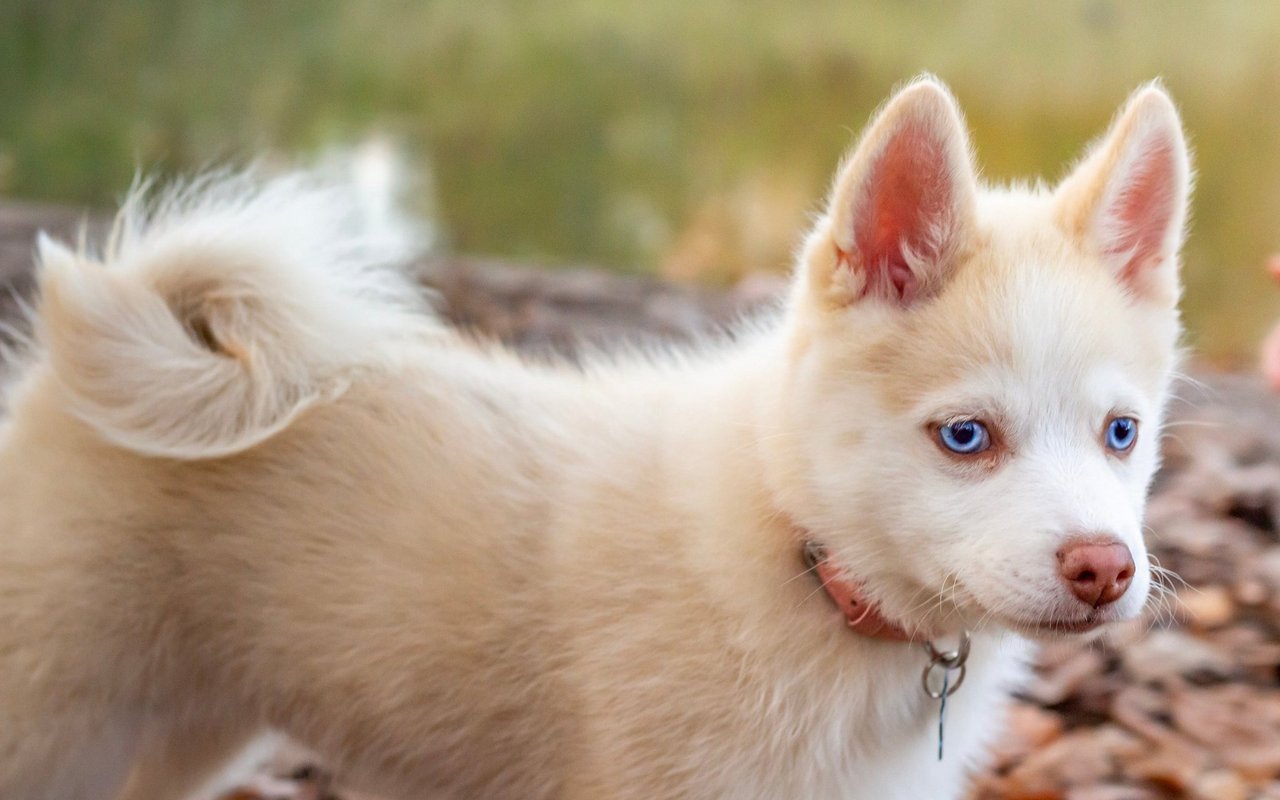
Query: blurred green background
688	139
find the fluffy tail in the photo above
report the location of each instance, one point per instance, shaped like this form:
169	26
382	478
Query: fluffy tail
219	310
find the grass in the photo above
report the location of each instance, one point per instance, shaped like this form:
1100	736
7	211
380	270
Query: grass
689	139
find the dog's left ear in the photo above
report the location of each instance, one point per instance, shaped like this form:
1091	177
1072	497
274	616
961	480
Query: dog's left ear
902	207
1127	201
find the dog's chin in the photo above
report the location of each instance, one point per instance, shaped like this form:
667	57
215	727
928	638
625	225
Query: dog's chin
973	616
1055	628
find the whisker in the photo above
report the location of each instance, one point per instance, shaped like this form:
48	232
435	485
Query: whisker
808	571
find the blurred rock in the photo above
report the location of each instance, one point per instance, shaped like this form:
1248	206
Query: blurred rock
1164	655
1207	607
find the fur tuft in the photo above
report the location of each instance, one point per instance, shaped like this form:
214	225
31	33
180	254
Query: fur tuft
219	310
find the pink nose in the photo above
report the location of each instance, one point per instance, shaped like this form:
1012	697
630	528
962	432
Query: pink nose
1097	572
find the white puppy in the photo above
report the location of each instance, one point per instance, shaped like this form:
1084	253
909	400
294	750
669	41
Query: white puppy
246	483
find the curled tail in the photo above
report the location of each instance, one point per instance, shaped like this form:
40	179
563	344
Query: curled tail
219	310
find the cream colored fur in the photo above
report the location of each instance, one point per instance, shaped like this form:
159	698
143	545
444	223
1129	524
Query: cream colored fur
247	483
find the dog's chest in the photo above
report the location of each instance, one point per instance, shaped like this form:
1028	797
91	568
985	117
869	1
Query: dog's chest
878	738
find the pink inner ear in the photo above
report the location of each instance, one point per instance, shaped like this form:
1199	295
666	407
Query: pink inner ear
1136	223
905	202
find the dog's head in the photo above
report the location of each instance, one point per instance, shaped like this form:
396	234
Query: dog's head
978	375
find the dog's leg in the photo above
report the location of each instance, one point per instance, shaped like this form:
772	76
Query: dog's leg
69	755
70	725
183	761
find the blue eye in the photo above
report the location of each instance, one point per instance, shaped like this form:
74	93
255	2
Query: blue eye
1122	432
965	437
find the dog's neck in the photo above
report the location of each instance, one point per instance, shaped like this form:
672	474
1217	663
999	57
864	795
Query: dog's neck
749	495
861	613
749	485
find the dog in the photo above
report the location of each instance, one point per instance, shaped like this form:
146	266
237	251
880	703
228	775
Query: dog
247	482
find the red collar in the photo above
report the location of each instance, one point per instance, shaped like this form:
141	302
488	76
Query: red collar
862	615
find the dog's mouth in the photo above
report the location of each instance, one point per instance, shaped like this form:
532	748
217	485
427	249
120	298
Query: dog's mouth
1072	626
1032	617
976	616
1057	627
957	607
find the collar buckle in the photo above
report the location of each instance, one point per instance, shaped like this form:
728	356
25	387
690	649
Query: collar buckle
942	663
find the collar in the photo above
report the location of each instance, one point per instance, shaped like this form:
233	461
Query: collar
860	613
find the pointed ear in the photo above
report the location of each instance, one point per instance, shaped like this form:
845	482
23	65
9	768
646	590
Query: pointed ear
1127	201
902	206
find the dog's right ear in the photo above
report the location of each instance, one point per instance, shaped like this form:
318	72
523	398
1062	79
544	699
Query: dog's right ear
1126	202
902	206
